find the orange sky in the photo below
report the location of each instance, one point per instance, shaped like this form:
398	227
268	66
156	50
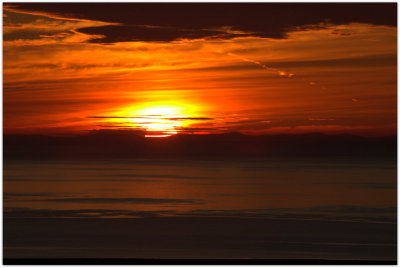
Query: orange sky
329	78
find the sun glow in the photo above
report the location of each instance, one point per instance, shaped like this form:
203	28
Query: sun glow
156	119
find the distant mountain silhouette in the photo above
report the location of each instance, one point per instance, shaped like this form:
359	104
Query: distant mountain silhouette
128	144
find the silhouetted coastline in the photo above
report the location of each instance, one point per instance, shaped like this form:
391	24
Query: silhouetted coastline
127	261
128	144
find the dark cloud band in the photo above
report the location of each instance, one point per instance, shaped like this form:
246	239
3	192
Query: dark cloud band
152	117
164	22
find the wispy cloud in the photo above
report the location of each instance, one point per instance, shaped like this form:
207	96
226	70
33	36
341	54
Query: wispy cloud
321	119
38	28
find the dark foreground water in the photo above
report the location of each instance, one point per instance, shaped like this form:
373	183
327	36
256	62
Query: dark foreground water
336	209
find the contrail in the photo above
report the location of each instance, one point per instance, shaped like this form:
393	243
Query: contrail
266	67
273	69
279	72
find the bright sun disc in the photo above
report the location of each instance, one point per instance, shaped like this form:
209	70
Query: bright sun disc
159	121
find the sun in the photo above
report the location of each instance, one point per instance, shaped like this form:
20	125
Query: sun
159	121
159	111
156	119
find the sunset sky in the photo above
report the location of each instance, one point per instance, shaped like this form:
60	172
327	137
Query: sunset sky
200	68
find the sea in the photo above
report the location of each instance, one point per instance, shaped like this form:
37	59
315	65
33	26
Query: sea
220	208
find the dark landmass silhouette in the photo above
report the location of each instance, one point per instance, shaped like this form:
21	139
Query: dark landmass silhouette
131	144
138	261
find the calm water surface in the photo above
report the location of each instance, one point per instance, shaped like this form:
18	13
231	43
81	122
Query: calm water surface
193	185
225	208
